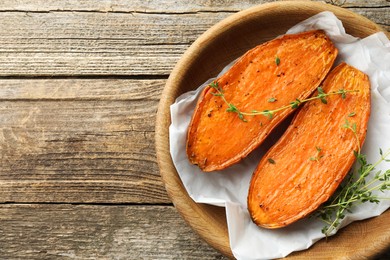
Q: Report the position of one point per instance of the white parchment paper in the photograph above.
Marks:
(229, 188)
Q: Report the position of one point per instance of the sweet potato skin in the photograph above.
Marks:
(293, 185)
(285, 69)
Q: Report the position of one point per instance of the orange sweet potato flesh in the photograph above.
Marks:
(217, 138)
(294, 178)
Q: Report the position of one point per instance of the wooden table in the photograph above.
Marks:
(80, 82)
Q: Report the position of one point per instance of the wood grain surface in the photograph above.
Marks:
(97, 232)
(80, 82)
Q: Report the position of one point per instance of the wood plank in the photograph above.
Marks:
(381, 16)
(78, 43)
(155, 6)
(79, 141)
(98, 232)
(81, 89)
(84, 43)
(128, 6)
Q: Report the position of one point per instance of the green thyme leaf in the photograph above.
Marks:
(343, 93)
(241, 116)
(277, 61)
(268, 113)
(322, 95)
(354, 127)
(318, 155)
(346, 124)
(271, 100)
(295, 104)
(231, 108)
(320, 90)
(214, 84)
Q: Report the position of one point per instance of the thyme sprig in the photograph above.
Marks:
(358, 187)
(270, 113)
(318, 155)
(352, 127)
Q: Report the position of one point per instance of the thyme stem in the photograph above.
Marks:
(270, 113)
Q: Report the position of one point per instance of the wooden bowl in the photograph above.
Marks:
(213, 50)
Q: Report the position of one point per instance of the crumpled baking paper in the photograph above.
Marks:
(229, 188)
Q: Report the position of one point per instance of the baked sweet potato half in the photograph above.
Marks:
(266, 77)
(306, 165)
